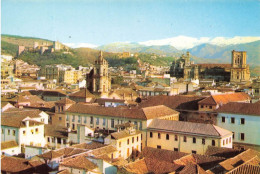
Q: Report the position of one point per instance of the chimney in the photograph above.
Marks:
(27, 123)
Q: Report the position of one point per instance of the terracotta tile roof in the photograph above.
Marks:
(30, 98)
(250, 167)
(151, 165)
(191, 168)
(8, 144)
(103, 150)
(17, 121)
(33, 113)
(135, 113)
(234, 162)
(79, 162)
(188, 128)
(221, 152)
(55, 131)
(89, 146)
(124, 91)
(15, 165)
(65, 101)
(174, 102)
(161, 154)
(64, 152)
(240, 108)
(204, 161)
(82, 94)
(123, 134)
(226, 98)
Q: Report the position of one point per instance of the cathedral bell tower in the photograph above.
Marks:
(98, 80)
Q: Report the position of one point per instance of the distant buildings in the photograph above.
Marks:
(237, 71)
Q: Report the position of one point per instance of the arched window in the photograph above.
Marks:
(213, 143)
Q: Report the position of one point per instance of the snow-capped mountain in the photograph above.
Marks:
(185, 42)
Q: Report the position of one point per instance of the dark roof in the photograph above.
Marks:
(17, 121)
(191, 168)
(55, 131)
(174, 102)
(135, 113)
(221, 152)
(188, 127)
(241, 108)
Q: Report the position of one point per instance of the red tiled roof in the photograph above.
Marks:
(82, 94)
(135, 113)
(240, 108)
(65, 101)
(226, 98)
(15, 165)
(79, 162)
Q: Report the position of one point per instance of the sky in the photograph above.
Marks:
(105, 21)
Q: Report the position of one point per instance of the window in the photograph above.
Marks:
(194, 140)
(112, 123)
(79, 119)
(133, 139)
(104, 121)
(32, 131)
(13, 132)
(91, 120)
(213, 143)
(67, 117)
(85, 120)
(59, 140)
(159, 135)
(8, 131)
(3, 131)
(176, 138)
(229, 139)
(141, 136)
(184, 139)
(201, 106)
(176, 149)
(127, 141)
(210, 107)
(223, 119)
(68, 125)
(137, 138)
(97, 121)
(159, 147)
(203, 141)
(64, 141)
(48, 139)
(242, 121)
(73, 118)
(119, 144)
(37, 130)
(60, 118)
(151, 135)
(167, 137)
(140, 126)
(194, 151)
(223, 142)
(73, 126)
(242, 136)
(233, 120)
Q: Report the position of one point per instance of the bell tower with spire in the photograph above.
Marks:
(98, 80)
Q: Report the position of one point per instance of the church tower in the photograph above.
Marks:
(239, 69)
(98, 80)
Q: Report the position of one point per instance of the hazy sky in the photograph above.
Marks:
(105, 21)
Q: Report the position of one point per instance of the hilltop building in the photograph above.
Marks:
(98, 80)
(237, 71)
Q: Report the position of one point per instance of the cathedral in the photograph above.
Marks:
(236, 72)
(98, 80)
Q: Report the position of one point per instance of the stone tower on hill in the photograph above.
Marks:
(98, 80)
(240, 72)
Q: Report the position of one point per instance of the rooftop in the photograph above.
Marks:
(188, 128)
(241, 108)
(8, 144)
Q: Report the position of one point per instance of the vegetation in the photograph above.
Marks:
(9, 49)
(117, 80)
